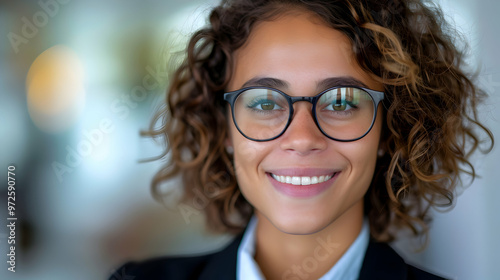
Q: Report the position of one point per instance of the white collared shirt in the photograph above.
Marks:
(346, 268)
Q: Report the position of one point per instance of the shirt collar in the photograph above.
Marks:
(347, 267)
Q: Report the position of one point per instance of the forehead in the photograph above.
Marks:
(296, 47)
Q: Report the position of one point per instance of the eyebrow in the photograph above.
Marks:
(339, 81)
(267, 82)
(320, 85)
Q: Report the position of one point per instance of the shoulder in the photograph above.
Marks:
(162, 268)
(382, 262)
(219, 265)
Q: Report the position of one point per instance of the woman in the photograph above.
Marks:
(318, 130)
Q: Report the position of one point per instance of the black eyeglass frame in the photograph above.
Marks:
(230, 97)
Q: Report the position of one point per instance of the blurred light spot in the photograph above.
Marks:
(54, 85)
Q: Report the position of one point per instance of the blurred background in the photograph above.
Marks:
(80, 79)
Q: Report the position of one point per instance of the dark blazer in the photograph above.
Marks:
(381, 262)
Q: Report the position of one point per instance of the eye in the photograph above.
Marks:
(337, 105)
(340, 106)
(340, 100)
(265, 105)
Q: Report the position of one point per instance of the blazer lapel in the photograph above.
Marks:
(222, 266)
(382, 262)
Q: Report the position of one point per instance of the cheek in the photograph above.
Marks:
(247, 155)
(362, 158)
(247, 159)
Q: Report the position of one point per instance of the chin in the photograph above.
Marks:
(302, 225)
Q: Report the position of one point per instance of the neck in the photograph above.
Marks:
(281, 255)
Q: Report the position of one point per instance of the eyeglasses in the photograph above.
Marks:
(345, 113)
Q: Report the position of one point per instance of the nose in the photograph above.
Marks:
(303, 135)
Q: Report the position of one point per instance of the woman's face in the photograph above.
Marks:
(302, 53)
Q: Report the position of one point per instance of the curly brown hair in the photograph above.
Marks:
(430, 121)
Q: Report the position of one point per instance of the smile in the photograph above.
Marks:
(302, 180)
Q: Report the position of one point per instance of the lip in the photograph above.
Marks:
(302, 190)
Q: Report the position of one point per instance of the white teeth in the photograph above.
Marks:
(314, 180)
(306, 181)
(301, 180)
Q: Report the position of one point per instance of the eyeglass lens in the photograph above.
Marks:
(342, 113)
